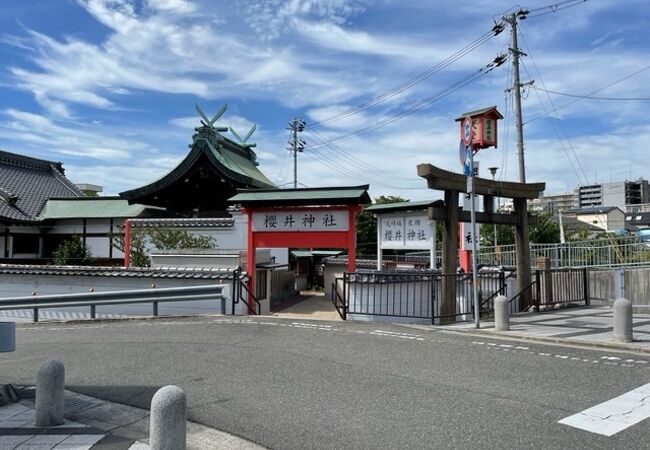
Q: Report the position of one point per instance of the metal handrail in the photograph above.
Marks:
(338, 300)
(93, 299)
(238, 283)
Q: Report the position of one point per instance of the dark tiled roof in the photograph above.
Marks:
(190, 222)
(637, 218)
(26, 183)
(131, 272)
(593, 210)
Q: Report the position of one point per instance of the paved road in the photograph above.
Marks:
(293, 385)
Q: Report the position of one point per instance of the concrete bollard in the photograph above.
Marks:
(50, 382)
(168, 420)
(7, 336)
(623, 320)
(501, 313)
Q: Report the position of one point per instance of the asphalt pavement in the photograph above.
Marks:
(290, 384)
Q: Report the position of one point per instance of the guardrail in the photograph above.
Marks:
(93, 299)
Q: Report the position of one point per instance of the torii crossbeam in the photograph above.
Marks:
(450, 214)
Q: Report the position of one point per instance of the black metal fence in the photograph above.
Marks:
(553, 287)
(415, 295)
(418, 294)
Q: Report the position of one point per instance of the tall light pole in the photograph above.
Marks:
(493, 171)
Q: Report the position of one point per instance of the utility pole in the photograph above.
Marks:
(517, 85)
(296, 145)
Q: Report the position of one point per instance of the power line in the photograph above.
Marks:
(541, 79)
(626, 77)
(421, 104)
(551, 9)
(498, 28)
(589, 97)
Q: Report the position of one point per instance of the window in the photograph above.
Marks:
(25, 244)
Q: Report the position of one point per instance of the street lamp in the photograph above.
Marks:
(493, 171)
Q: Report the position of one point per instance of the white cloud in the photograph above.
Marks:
(42, 132)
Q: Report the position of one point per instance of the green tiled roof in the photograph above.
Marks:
(401, 206)
(301, 253)
(232, 160)
(90, 208)
(345, 195)
(237, 163)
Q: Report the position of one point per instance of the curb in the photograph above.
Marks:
(632, 348)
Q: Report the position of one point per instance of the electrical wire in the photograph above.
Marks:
(551, 9)
(353, 159)
(414, 80)
(566, 135)
(421, 104)
(626, 77)
(588, 97)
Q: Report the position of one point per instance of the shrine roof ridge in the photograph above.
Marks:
(339, 195)
(403, 206)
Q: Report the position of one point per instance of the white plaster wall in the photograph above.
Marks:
(67, 226)
(98, 225)
(99, 246)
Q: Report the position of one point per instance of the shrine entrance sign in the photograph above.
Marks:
(301, 218)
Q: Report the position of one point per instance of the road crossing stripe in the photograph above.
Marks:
(614, 415)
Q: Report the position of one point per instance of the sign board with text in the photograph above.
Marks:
(300, 220)
(407, 231)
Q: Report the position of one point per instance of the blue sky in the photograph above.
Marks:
(109, 86)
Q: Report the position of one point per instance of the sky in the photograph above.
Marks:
(109, 87)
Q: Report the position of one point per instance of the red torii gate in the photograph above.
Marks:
(306, 217)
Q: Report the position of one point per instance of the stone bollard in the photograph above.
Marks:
(168, 420)
(501, 313)
(50, 382)
(7, 336)
(623, 320)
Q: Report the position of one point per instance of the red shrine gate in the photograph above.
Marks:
(301, 218)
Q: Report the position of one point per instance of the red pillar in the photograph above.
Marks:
(464, 256)
(127, 243)
(352, 239)
(250, 258)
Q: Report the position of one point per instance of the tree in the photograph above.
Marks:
(505, 235)
(143, 239)
(367, 225)
(171, 239)
(72, 251)
(545, 230)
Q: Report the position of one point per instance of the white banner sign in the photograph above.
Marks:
(300, 220)
(466, 232)
(410, 232)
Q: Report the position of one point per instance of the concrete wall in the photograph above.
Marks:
(632, 283)
(19, 285)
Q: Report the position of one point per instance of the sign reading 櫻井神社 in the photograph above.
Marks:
(406, 231)
(300, 220)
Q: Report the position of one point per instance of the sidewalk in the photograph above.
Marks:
(91, 423)
(591, 326)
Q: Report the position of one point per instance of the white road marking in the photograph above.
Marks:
(614, 415)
